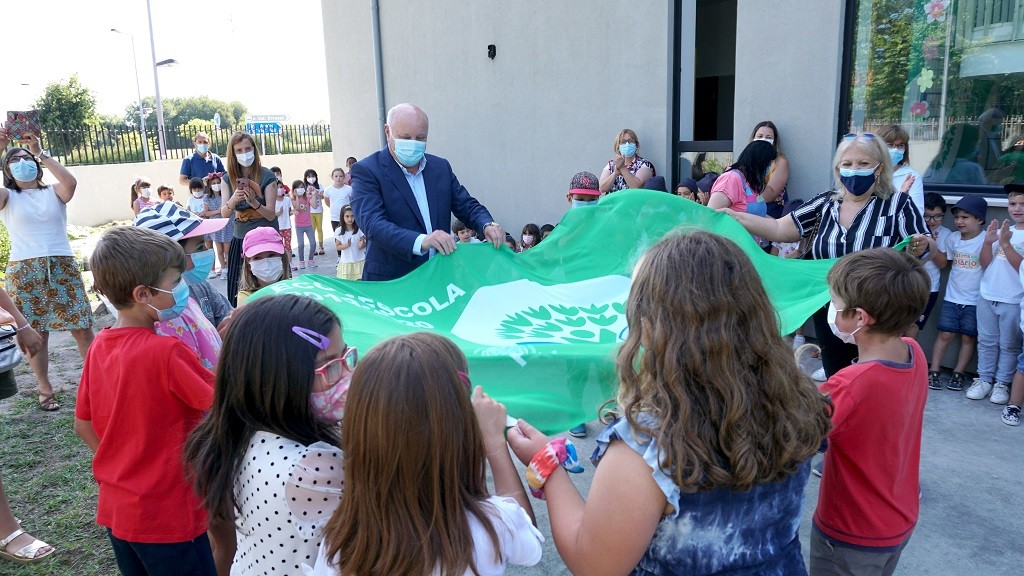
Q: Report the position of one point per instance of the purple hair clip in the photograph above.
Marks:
(315, 338)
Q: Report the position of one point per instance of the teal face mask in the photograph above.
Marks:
(579, 203)
(180, 293)
(25, 170)
(202, 263)
(896, 155)
(409, 152)
(203, 148)
(627, 149)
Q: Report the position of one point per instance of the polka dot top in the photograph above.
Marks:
(286, 492)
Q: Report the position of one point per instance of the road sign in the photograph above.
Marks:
(262, 127)
(254, 118)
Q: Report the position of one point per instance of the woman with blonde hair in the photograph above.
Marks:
(249, 193)
(704, 472)
(863, 211)
(627, 168)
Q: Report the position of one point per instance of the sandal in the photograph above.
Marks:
(48, 402)
(27, 554)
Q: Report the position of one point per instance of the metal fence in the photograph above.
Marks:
(84, 145)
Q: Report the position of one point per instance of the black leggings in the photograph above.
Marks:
(234, 270)
(835, 354)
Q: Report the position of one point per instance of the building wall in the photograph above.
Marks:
(566, 78)
(103, 194)
(788, 68)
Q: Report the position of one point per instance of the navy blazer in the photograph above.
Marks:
(386, 211)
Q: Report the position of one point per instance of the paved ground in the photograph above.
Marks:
(971, 463)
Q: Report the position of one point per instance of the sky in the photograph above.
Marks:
(267, 55)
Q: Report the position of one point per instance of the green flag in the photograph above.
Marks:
(540, 329)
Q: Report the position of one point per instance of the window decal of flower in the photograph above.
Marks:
(925, 79)
(937, 10)
(919, 109)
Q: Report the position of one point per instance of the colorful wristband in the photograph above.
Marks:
(558, 452)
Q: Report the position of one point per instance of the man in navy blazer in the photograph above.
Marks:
(403, 200)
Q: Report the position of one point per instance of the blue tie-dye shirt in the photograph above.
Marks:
(719, 531)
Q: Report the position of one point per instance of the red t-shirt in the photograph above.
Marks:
(869, 492)
(144, 394)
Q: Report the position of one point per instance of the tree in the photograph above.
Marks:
(180, 111)
(67, 104)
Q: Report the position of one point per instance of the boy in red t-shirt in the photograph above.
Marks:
(140, 396)
(869, 497)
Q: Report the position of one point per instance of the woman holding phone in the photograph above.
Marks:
(42, 271)
(250, 193)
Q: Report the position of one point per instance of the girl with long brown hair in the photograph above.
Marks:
(416, 502)
(705, 471)
(250, 193)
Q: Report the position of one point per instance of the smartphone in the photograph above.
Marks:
(20, 124)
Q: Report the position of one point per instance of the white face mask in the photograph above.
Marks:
(300, 191)
(528, 239)
(144, 192)
(215, 187)
(768, 140)
(198, 194)
(247, 158)
(311, 180)
(267, 269)
(844, 336)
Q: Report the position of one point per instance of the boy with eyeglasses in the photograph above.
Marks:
(934, 212)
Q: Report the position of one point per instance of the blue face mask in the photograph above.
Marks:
(627, 149)
(896, 154)
(202, 263)
(409, 152)
(857, 182)
(180, 294)
(203, 148)
(579, 203)
(25, 170)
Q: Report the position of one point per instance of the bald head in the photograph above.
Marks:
(406, 121)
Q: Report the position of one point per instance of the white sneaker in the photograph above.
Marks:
(1011, 415)
(819, 375)
(798, 341)
(979, 389)
(1000, 393)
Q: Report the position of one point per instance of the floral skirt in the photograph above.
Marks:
(351, 270)
(50, 293)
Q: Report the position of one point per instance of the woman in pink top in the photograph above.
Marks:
(740, 185)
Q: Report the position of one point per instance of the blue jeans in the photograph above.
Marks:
(999, 340)
(192, 558)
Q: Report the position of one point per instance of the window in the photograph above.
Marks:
(951, 74)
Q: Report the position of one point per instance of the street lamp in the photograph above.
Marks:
(138, 89)
(156, 84)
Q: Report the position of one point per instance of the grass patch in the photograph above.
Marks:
(48, 479)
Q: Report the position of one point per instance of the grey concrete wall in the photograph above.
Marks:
(788, 71)
(567, 77)
(104, 191)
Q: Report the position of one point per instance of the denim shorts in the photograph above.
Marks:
(1020, 363)
(958, 319)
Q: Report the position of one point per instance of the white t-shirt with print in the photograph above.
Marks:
(940, 235)
(964, 284)
(1000, 282)
(339, 197)
(353, 253)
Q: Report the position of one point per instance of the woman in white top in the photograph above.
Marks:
(42, 273)
(904, 178)
(265, 460)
